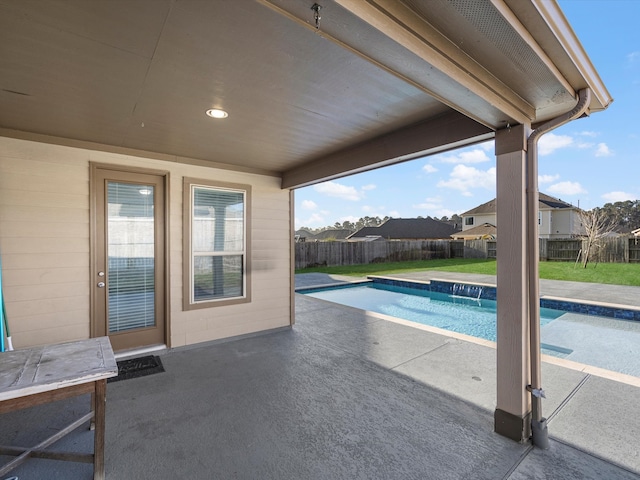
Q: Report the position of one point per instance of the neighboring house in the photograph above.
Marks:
(301, 236)
(407, 229)
(556, 219)
(486, 231)
(636, 232)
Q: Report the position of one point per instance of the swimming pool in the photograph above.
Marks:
(458, 313)
(605, 336)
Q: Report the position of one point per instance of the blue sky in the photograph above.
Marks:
(588, 162)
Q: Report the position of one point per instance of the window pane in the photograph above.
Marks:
(217, 277)
(218, 221)
(130, 273)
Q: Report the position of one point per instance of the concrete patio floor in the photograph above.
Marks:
(342, 395)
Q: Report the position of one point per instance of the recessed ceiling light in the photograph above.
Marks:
(217, 113)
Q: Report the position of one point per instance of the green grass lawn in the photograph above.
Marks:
(610, 273)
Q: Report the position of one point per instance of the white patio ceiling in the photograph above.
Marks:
(378, 82)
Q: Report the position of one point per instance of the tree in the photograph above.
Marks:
(624, 216)
(347, 225)
(596, 226)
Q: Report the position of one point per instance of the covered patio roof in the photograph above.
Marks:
(369, 83)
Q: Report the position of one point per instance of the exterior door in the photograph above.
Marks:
(129, 260)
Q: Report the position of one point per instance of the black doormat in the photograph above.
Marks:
(137, 367)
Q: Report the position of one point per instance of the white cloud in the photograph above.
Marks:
(464, 178)
(381, 212)
(466, 157)
(488, 146)
(429, 168)
(348, 218)
(314, 221)
(547, 178)
(587, 133)
(614, 197)
(633, 57)
(345, 192)
(551, 142)
(333, 189)
(566, 188)
(434, 207)
(309, 205)
(603, 150)
(431, 203)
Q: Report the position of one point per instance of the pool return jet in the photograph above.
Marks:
(539, 431)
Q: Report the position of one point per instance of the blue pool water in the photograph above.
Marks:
(455, 313)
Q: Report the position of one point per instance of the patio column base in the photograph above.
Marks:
(512, 426)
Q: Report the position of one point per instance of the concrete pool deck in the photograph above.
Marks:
(341, 395)
(595, 420)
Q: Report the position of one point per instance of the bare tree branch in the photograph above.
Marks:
(596, 226)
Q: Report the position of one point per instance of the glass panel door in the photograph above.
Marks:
(128, 260)
(131, 253)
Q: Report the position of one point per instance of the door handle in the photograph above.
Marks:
(101, 284)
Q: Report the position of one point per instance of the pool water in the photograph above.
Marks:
(455, 313)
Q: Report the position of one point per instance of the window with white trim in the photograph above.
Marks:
(216, 242)
(468, 221)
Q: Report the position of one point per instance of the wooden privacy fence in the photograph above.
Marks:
(634, 250)
(560, 250)
(312, 254)
(605, 250)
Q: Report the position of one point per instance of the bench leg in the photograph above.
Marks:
(99, 406)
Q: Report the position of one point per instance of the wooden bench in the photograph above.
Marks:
(49, 373)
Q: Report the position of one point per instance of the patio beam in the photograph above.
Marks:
(448, 131)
